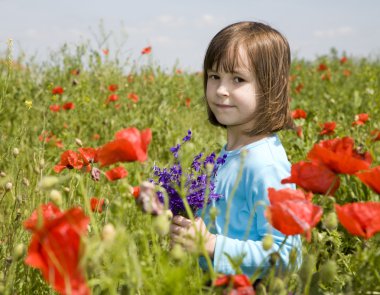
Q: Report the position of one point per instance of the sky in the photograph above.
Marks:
(179, 31)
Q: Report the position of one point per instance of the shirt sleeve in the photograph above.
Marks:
(251, 251)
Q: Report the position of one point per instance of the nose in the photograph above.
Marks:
(222, 89)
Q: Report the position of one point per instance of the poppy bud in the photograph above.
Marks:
(260, 290)
(16, 152)
(327, 272)
(78, 142)
(307, 268)
(25, 181)
(108, 233)
(2, 174)
(330, 221)
(42, 163)
(56, 197)
(161, 224)
(48, 181)
(214, 212)
(267, 242)
(18, 251)
(177, 252)
(66, 189)
(277, 286)
(8, 186)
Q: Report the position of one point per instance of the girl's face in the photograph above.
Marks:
(232, 97)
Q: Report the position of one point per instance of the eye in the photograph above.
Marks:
(238, 80)
(213, 77)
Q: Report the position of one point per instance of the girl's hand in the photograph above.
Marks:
(148, 201)
(189, 235)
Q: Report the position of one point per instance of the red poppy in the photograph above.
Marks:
(136, 191)
(288, 194)
(45, 136)
(55, 247)
(105, 51)
(57, 90)
(75, 72)
(133, 96)
(322, 67)
(346, 73)
(299, 131)
(326, 76)
(328, 128)
(68, 106)
(299, 114)
(375, 135)
(130, 78)
(360, 219)
(299, 88)
(55, 108)
(187, 102)
(130, 145)
(178, 71)
(340, 156)
(97, 204)
(58, 143)
(69, 160)
(240, 283)
(146, 50)
(113, 87)
(96, 136)
(343, 60)
(112, 97)
(313, 176)
(292, 216)
(360, 119)
(371, 178)
(89, 155)
(116, 173)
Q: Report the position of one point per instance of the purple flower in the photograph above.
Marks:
(197, 181)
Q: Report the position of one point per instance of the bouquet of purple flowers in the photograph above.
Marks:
(198, 181)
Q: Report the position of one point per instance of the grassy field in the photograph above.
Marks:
(125, 251)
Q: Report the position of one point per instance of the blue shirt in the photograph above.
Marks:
(243, 180)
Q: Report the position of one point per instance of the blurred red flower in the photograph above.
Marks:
(69, 160)
(97, 204)
(89, 155)
(75, 72)
(133, 96)
(113, 87)
(313, 176)
(375, 135)
(146, 50)
(328, 128)
(299, 114)
(360, 119)
(68, 106)
(187, 102)
(326, 76)
(96, 136)
(322, 67)
(299, 88)
(55, 108)
(371, 178)
(340, 156)
(360, 219)
(343, 60)
(241, 285)
(346, 73)
(130, 145)
(112, 97)
(57, 90)
(288, 194)
(116, 173)
(299, 131)
(292, 216)
(136, 191)
(55, 247)
(105, 51)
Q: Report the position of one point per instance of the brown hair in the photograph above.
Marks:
(269, 57)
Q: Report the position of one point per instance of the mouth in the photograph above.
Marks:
(223, 106)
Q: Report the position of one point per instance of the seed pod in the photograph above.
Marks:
(18, 251)
(327, 272)
(25, 181)
(48, 182)
(108, 233)
(260, 289)
(267, 242)
(15, 152)
(177, 252)
(161, 224)
(56, 197)
(3, 174)
(8, 186)
(78, 142)
(307, 268)
(330, 221)
(277, 286)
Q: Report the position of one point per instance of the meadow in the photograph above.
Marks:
(81, 97)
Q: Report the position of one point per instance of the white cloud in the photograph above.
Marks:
(333, 33)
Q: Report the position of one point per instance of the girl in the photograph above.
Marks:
(246, 69)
